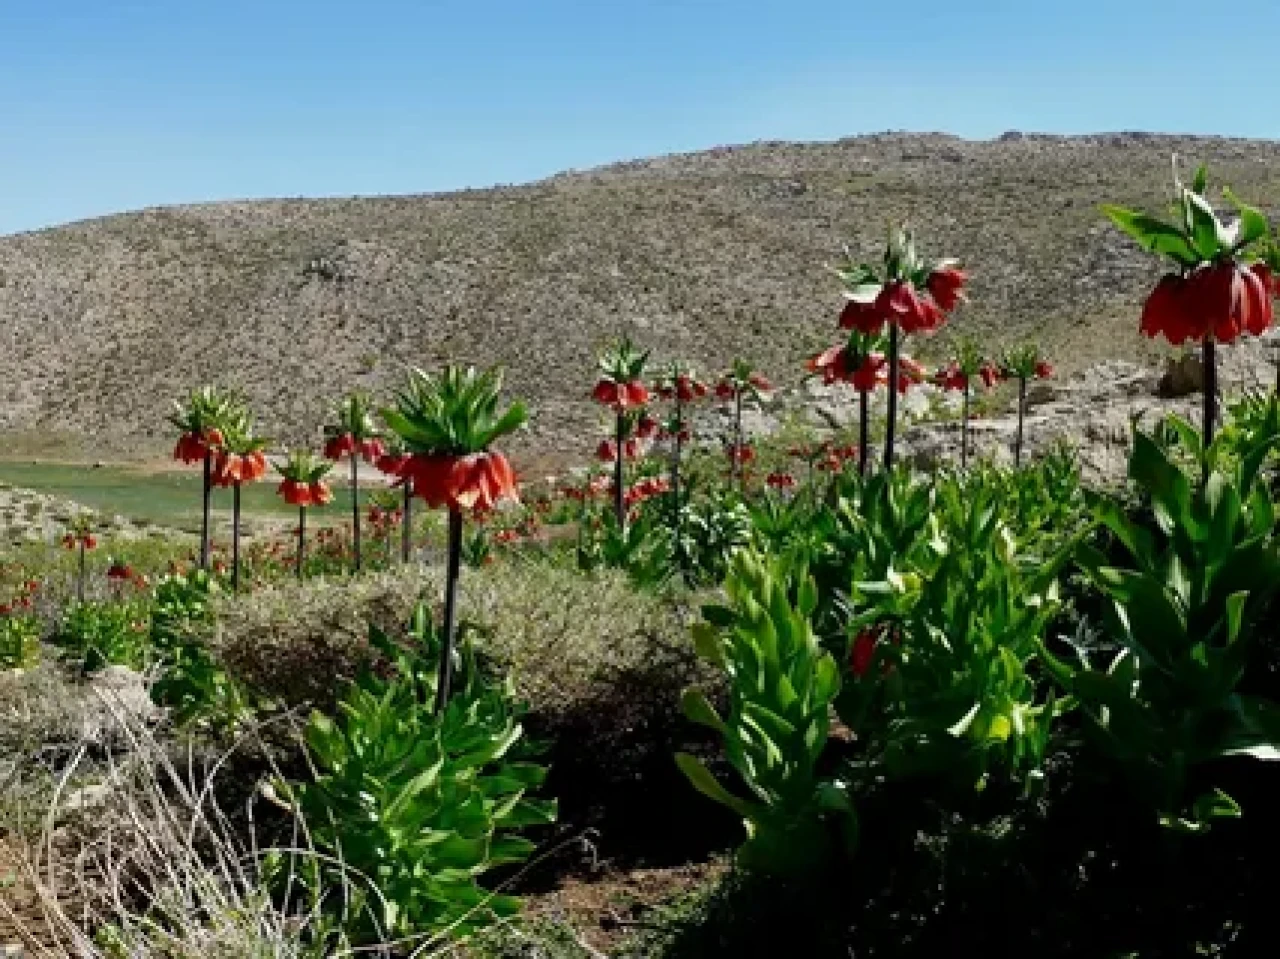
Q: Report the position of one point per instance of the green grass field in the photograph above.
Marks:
(165, 498)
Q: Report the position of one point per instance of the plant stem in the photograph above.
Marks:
(892, 411)
(675, 478)
(235, 538)
(80, 583)
(737, 462)
(1210, 390)
(445, 675)
(864, 431)
(355, 506)
(406, 532)
(1022, 405)
(619, 505)
(964, 427)
(204, 521)
(302, 537)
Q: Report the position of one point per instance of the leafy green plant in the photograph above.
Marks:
(1188, 608)
(192, 683)
(107, 634)
(642, 547)
(415, 805)
(943, 649)
(781, 687)
(19, 642)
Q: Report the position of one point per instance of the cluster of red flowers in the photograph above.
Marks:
(864, 373)
(952, 377)
(913, 311)
(345, 444)
(592, 488)
(727, 389)
(22, 599)
(646, 489)
(473, 482)
(620, 396)
(780, 481)
(740, 453)
(297, 493)
(192, 447)
(383, 520)
(72, 540)
(825, 456)
(685, 389)
(232, 468)
(1222, 300)
(119, 573)
(632, 448)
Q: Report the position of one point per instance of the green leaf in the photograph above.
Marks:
(1206, 230)
(1200, 182)
(1253, 225)
(698, 709)
(702, 780)
(1154, 235)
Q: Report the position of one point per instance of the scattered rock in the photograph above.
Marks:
(1183, 376)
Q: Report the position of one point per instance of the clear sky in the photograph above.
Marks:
(108, 105)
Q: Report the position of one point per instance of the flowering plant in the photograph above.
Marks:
(905, 295)
(1218, 289)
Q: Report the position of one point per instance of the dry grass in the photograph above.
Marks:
(705, 255)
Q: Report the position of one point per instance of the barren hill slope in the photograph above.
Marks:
(703, 256)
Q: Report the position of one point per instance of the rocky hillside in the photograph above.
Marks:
(705, 256)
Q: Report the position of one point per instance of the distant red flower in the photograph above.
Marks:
(863, 317)
(945, 286)
(1043, 369)
(295, 493)
(913, 313)
(741, 454)
(760, 382)
(620, 396)
(989, 373)
(779, 480)
(344, 444)
(646, 427)
(951, 377)
(725, 390)
(372, 449)
(119, 572)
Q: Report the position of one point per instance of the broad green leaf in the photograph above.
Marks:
(707, 784)
(1154, 235)
(697, 708)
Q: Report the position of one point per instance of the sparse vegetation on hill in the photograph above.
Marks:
(711, 255)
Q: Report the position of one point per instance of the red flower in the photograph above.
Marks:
(760, 382)
(476, 481)
(620, 396)
(989, 373)
(119, 572)
(725, 390)
(780, 480)
(741, 454)
(863, 651)
(1165, 312)
(1043, 369)
(632, 449)
(646, 427)
(213, 437)
(1221, 300)
(69, 542)
(834, 363)
(945, 287)
(913, 313)
(190, 449)
(910, 373)
(339, 446)
(607, 451)
(371, 450)
(295, 493)
(863, 317)
(951, 377)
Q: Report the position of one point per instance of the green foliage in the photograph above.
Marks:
(455, 413)
(192, 683)
(712, 530)
(417, 806)
(641, 547)
(1188, 606)
(107, 634)
(19, 642)
(944, 643)
(781, 687)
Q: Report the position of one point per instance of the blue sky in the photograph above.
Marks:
(108, 105)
